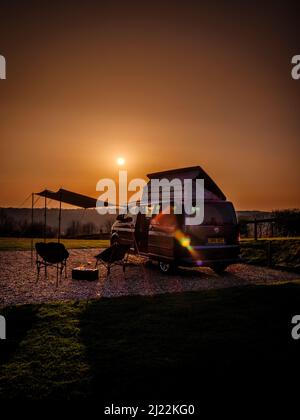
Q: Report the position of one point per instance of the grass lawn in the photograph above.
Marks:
(285, 252)
(274, 238)
(168, 346)
(23, 244)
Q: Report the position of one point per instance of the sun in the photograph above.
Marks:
(120, 161)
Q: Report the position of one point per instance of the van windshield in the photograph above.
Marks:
(219, 213)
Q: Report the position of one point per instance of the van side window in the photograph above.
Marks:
(131, 216)
(165, 220)
(127, 218)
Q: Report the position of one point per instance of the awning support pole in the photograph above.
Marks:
(45, 218)
(32, 205)
(59, 220)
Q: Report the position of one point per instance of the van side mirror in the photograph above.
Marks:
(124, 219)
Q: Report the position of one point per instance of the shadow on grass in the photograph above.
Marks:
(172, 346)
(19, 320)
(162, 348)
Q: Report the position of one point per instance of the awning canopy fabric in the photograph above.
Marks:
(69, 197)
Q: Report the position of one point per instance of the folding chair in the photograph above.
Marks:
(116, 254)
(51, 254)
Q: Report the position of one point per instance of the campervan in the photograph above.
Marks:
(167, 238)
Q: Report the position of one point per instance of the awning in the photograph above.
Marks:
(69, 197)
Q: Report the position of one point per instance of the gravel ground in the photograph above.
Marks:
(18, 279)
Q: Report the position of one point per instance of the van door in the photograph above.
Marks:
(141, 232)
(162, 234)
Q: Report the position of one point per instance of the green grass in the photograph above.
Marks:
(274, 238)
(24, 244)
(285, 253)
(150, 347)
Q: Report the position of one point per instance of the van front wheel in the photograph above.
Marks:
(219, 268)
(166, 267)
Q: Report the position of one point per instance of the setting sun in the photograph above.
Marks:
(120, 161)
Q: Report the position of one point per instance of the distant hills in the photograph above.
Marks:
(69, 218)
(81, 216)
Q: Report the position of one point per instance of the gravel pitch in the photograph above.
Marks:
(18, 279)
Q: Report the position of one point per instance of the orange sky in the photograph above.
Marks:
(164, 86)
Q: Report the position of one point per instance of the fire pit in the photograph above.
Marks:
(83, 273)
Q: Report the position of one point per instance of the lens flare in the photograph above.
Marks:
(185, 242)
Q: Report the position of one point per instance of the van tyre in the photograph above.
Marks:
(166, 267)
(219, 268)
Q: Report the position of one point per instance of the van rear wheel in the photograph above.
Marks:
(166, 267)
(219, 268)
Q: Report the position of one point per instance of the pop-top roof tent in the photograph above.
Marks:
(211, 189)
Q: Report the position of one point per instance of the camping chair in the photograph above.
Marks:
(51, 254)
(116, 254)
